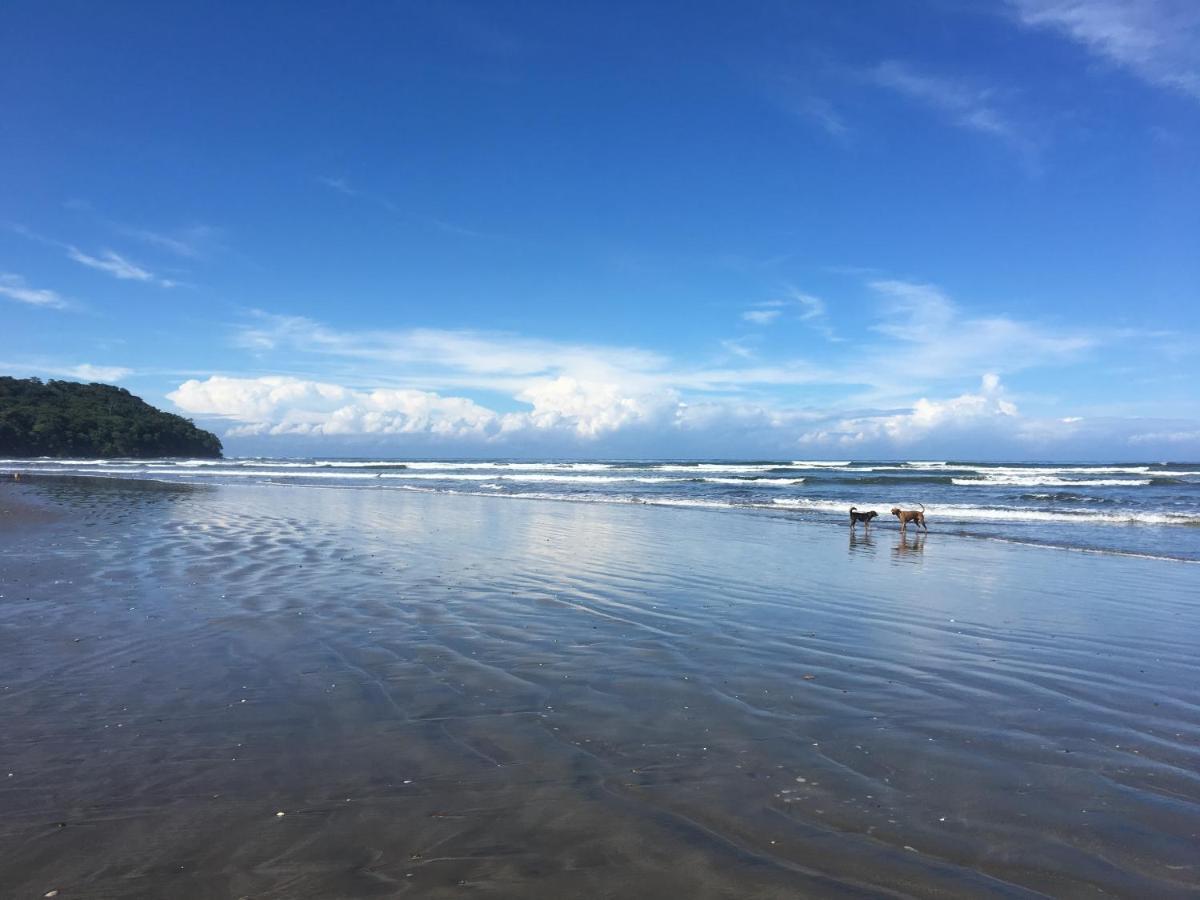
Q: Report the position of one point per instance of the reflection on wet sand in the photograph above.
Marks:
(860, 543)
(909, 547)
(448, 693)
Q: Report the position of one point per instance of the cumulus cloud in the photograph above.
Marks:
(284, 405)
(903, 381)
(974, 411)
(590, 409)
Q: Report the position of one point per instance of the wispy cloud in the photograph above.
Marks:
(89, 372)
(195, 241)
(813, 312)
(906, 376)
(112, 263)
(191, 242)
(82, 371)
(761, 316)
(965, 105)
(448, 357)
(118, 266)
(1157, 40)
(342, 185)
(738, 348)
(821, 112)
(14, 287)
(109, 261)
(917, 323)
(938, 340)
(797, 305)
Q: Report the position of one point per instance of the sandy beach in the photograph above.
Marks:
(266, 691)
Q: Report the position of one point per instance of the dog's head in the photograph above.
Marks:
(868, 516)
(896, 511)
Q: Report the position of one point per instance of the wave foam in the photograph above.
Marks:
(1047, 481)
(967, 513)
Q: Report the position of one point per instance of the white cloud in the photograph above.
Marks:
(109, 261)
(282, 405)
(737, 348)
(285, 405)
(762, 316)
(811, 307)
(974, 411)
(967, 106)
(822, 112)
(594, 398)
(191, 242)
(117, 266)
(339, 184)
(343, 186)
(1157, 40)
(14, 287)
(805, 307)
(445, 358)
(813, 312)
(933, 338)
(82, 371)
(590, 409)
(921, 335)
(1166, 437)
(89, 372)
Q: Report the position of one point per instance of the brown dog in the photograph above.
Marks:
(865, 518)
(910, 515)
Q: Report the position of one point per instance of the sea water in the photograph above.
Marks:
(1150, 509)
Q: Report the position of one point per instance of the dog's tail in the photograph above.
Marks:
(853, 508)
(922, 505)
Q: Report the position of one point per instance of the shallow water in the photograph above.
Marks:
(1147, 509)
(538, 699)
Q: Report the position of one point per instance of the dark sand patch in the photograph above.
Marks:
(23, 506)
(449, 694)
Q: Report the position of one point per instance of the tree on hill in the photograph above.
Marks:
(69, 419)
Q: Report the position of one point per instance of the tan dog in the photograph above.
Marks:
(910, 515)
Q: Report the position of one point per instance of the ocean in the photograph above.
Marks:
(1144, 509)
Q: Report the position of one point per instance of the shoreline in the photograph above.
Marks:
(759, 510)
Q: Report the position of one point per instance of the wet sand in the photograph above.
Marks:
(455, 696)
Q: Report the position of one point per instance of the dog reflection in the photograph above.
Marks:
(859, 543)
(909, 546)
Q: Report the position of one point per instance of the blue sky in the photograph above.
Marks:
(921, 229)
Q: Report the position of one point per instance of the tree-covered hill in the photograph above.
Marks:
(65, 418)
